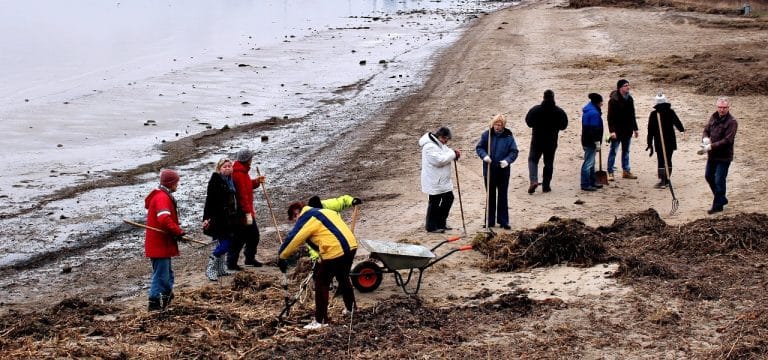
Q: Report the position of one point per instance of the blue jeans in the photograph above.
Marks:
(716, 172)
(222, 247)
(624, 154)
(162, 278)
(588, 168)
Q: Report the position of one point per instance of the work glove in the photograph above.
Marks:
(357, 201)
(248, 219)
(282, 264)
(261, 179)
(706, 141)
(458, 154)
(597, 145)
(704, 149)
(487, 159)
(503, 163)
(651, 149)
(313, 255)
(180, 237)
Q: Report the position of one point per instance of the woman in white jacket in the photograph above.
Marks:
(436, 177)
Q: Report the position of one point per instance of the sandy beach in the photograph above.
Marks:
(501, 64)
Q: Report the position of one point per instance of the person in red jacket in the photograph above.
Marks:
(247, 234)
(162, 244)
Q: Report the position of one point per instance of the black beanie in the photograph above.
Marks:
(621, 83)
(595, 98)
(549, 95)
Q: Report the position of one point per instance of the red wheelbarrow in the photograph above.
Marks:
(366, 276)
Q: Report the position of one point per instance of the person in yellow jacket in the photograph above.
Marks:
(323, 230)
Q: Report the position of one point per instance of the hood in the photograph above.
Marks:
(548, 103)
(240, 167)
(149, 197)
(427, 138)
(589, 107)
(662, 107)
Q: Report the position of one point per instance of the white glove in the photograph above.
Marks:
(248, 219)
(503, 163)
(597, 145)
(705, 141)
(706, 147)
(487, 159)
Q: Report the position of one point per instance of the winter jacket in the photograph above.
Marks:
(436, 158)
(244, 185)
(323, 230)
(621, 115)
(591, 125)
(221, 209)
(503, 147)
(162, 215)
(546, 120)
(722, 133)
(669, 122)
(338, 204)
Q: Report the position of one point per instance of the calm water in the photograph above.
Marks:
(52, 50)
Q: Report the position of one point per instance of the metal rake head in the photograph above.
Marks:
(675, 206)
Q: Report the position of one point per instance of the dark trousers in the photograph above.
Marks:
(660, 161)
(438, 209)
(324, 273)
(247, 236)
(716, 173)
(533, 164)
(498, 207)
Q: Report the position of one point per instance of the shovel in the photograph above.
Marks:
(601, 177)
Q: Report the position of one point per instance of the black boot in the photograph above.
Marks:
(154, 305)
(165, 300)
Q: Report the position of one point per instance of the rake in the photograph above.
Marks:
(675, 202)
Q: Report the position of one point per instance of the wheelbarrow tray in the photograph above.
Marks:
(398, 256)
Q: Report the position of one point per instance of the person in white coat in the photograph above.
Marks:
(436, 177)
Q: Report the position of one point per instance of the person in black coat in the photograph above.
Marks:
(546, 120)
(669, 122)
(220, 216)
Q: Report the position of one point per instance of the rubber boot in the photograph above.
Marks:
(212, 271)
(220, 265)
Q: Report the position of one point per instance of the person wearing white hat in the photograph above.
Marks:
(666, 135)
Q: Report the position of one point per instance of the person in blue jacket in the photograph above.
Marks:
(591, 138)
(498, 149)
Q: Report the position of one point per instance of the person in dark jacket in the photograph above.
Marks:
(498, 149)
(546, 120)
(669, 122)
(717, 141)
(162, 236)
(591, 138)
(622, 124)
(220, 216)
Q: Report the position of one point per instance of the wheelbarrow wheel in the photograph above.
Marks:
(366, 276)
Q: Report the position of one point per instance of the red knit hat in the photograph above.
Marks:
(168, 177)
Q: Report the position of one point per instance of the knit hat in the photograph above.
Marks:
(661, 99)
(315, 202)
(595, 98)
(443, 131)
(168, 177)
(244, 155)
(549, 95)
(621, 83)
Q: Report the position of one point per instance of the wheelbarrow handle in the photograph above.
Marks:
(465, 247)
(450, 239)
